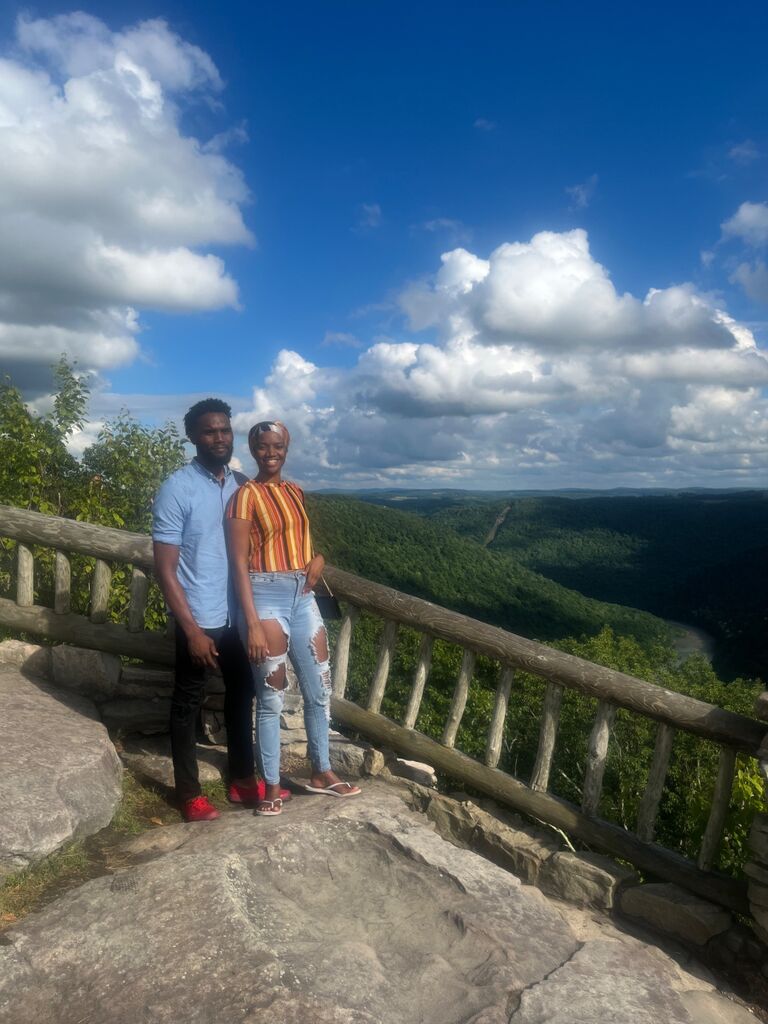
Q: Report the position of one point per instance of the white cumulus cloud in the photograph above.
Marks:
(105, 203)
(528, 368)
(551, 293)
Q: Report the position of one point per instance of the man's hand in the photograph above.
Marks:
(202, 650)
(314, 571)
(257, 643)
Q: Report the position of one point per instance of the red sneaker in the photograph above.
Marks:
(199, 808)
(253, 794)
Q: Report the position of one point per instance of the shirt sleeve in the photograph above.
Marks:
(240, 504)
(168, 515)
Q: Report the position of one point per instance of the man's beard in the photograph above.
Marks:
(219, 458)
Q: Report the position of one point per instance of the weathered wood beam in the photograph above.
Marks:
(729, 892)
(100, 584)
(649, 699)
(496, 729)
(80, 631)
(137, 605)
(597, 755)
(550, 719)
(657, 774)
(62, 584)
(25, 576)
(68, 535)
(721, 799)
(459, 702)
(381, 673)
(341, 650)
(420, 676)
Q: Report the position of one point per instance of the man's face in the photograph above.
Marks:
(213, 439)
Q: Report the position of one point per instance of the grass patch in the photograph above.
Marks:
(23, 891)
(141, 807)
(216, 793)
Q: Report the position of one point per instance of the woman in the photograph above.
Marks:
(274, 570)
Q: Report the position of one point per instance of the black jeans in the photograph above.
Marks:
(188, 692)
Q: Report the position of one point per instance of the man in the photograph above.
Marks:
(192, 570)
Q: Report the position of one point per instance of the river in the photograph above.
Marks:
(688, 640)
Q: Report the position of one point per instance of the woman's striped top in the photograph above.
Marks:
(280, 537)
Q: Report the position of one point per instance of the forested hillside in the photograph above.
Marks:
(698, 558)
(428, 559)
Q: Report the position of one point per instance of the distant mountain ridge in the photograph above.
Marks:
(445, 493)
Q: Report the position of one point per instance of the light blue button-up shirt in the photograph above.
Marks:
(189, 512)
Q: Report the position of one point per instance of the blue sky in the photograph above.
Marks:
(356, 145)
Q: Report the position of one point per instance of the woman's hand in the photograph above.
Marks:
(314, 571)
(257, 643)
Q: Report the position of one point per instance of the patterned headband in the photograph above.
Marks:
(268, 427)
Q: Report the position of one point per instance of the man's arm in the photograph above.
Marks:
(202, 649)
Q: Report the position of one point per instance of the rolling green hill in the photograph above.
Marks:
(428, 559)
(698, 558)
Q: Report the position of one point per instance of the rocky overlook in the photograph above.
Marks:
(336, 912)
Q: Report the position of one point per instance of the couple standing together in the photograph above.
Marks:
(234, 560)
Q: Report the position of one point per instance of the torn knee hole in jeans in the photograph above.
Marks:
(274, 668)
(318, 645)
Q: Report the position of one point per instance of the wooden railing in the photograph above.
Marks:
(672, 711)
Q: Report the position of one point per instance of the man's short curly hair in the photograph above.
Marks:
(200, 409)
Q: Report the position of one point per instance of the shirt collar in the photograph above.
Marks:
(206, 472)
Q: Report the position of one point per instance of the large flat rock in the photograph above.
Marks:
(351, 912)
(333, 916)
(60, 773)
(601, 982)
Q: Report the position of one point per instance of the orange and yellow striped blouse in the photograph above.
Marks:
(280, 540)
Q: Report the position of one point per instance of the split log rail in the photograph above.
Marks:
(673, 712)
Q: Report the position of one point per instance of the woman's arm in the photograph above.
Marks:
(238, 546)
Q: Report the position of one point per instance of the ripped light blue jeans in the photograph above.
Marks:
(280, 596)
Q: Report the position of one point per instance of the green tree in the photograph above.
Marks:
(125, 466)
(37, 471)
(112, 485)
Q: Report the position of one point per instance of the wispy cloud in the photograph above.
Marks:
(745, 152)
(236, 135)
(341, 338)
(368, 216)
(450, 226)
(442, 224)
(749, 223)
(707, 257)
(371, 308)
(483, 124)
(581, 195)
